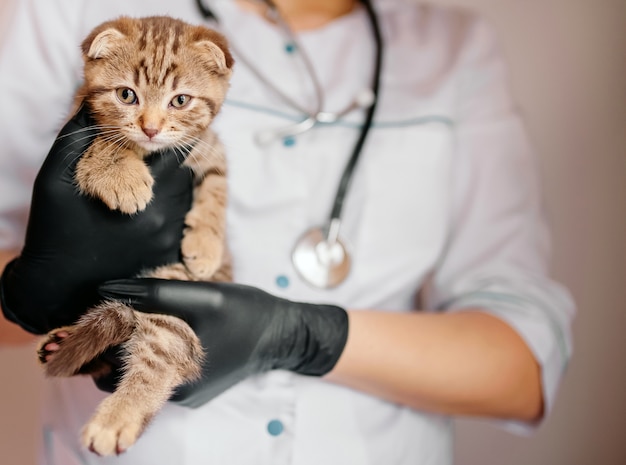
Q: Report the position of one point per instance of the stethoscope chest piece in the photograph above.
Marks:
(320, 261)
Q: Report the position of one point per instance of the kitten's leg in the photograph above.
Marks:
(163, 353)
(98, 367)
(117, 176)
(106, 325)
(203, 245)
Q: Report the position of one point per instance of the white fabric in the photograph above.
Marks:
(445, 200)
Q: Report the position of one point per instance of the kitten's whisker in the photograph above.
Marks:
(200, 144)
(72, 152)
(117, 143)
(115, 140)
(183, 152)
(77, 155)
(80, 139)
(77, 131)
(98, 128)
(76, 141)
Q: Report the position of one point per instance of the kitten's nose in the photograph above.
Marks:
(150, 132)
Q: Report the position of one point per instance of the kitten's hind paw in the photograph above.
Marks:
(202, 254)
(51, 343)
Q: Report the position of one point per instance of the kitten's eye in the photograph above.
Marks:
(126, 95)
(181, 101)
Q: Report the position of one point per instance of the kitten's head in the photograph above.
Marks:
(155, 82)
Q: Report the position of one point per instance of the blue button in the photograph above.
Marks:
(275, 427)
(290, 47)
(282, 281)
(289, 141)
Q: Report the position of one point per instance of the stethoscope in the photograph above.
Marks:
(320, 256)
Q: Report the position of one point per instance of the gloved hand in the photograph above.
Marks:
(74, 242)
(243, 330)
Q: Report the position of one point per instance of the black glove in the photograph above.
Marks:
(243, 330)
(74, 242)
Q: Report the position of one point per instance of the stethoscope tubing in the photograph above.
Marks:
(319, 256)
(347, 175)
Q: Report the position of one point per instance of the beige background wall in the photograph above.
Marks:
(568, 61)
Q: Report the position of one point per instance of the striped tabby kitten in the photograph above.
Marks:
(151, 83)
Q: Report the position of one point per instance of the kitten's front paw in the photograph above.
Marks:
(125, 185)
(202, 256)
(112, 434)
(130, 190)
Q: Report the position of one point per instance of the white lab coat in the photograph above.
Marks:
(443, 213)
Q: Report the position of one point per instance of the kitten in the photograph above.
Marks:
(151, 83)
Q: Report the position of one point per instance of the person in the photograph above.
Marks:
(448, 309)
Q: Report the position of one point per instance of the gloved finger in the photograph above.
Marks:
(171, 297)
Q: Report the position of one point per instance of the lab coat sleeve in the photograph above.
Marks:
(39, 72)
(497, 253)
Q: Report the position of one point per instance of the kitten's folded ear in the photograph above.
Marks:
(105, 38)
(216, 45)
